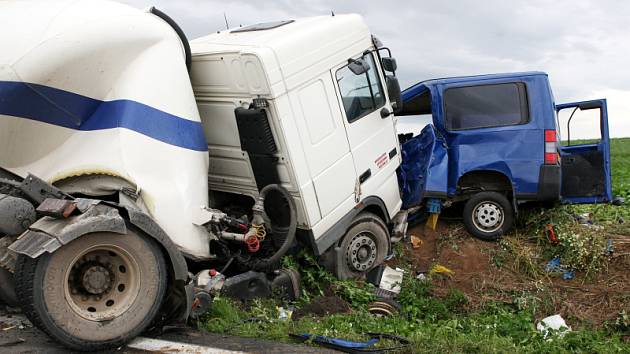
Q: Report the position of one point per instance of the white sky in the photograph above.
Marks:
(584, 46)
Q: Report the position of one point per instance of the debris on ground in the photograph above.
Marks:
(512, 270)
(391, 279)
(347, 346)
(416, 242)
(322, 306)
(556, 323)
(384, 307)
(440, 269)
(555, 266)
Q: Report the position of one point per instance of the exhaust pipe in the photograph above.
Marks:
(16, 215)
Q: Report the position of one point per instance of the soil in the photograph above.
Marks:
(322, 306)
(584, 300)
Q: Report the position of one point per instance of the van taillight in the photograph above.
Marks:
(551, 148)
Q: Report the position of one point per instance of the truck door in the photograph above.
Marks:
(584, 152)
(370, 130)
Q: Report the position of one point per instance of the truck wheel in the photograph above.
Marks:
(95, 293)
(363, 247)
(488, 215)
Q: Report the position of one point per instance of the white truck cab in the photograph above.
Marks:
(336, 149)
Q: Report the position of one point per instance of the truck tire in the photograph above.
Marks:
(363, 247)
(488, 215)
(95, 293)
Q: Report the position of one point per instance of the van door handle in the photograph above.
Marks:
(365, 175)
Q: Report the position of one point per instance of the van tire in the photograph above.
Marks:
(96, 293)
(363, 247)
(488, 215)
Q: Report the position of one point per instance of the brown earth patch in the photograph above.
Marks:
(322, 306)
(486, 273)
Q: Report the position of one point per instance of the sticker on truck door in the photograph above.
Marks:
(382, 160)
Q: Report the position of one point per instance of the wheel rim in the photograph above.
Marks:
(361, 252)
(102, 283)
(488, 216)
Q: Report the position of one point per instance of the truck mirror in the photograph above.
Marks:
(389, 64)
(393, 92)
(358, 66)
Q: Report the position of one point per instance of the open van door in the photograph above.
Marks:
(584, 152)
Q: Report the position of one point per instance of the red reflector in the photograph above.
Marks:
(551, 158)
(550, 136)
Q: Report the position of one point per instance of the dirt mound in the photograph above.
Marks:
(322, 306)
(484, 272)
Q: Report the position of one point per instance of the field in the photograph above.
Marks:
(487, 296)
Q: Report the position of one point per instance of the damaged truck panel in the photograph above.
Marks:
(105, 128)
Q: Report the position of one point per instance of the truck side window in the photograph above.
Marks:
(486, 106)
(361, 94)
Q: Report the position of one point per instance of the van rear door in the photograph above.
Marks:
(584, 152)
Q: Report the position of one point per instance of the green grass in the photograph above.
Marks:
(444, 324)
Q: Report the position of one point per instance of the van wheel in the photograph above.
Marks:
(488, 215)
(95, 293)
(363, 247)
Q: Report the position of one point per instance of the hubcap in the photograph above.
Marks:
(488, 216)
(102, 283)
(361, 252)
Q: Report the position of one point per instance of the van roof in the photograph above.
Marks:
(423, 86)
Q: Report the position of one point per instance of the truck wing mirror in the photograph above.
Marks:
(393, 92)
(589, 105)
(358, 66)
(389, 64)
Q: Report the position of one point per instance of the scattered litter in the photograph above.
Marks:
(556, 323)
(384, 307)
(416, 241)
(284, 314)
(551, 234)
(421, 276)
(585, 218)
(391, 279)
(347, 346)
(438, 268)
(610, 249)
(618, 201)
(555, 266)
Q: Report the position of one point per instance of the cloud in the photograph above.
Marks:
(582, 45)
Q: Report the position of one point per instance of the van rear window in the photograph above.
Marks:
(486, 106)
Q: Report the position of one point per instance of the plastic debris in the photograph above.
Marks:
(555, 266)
(438, 268)
(416, 242)
(618, 201)
(432, 221)
(347, 346)
(551, 234)
(556, 323)
(284, 314)
(585, 218)
(421, 276)
(391, 279)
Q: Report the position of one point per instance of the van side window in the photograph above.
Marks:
(486, 106)
(361, 94)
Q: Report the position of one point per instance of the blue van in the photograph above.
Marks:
(497, 141)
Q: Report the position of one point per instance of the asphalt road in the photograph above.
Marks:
(17, 335)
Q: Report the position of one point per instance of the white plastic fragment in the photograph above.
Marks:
(555, 322)
(391, 279)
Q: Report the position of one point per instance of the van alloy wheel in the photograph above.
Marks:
(488, 216)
